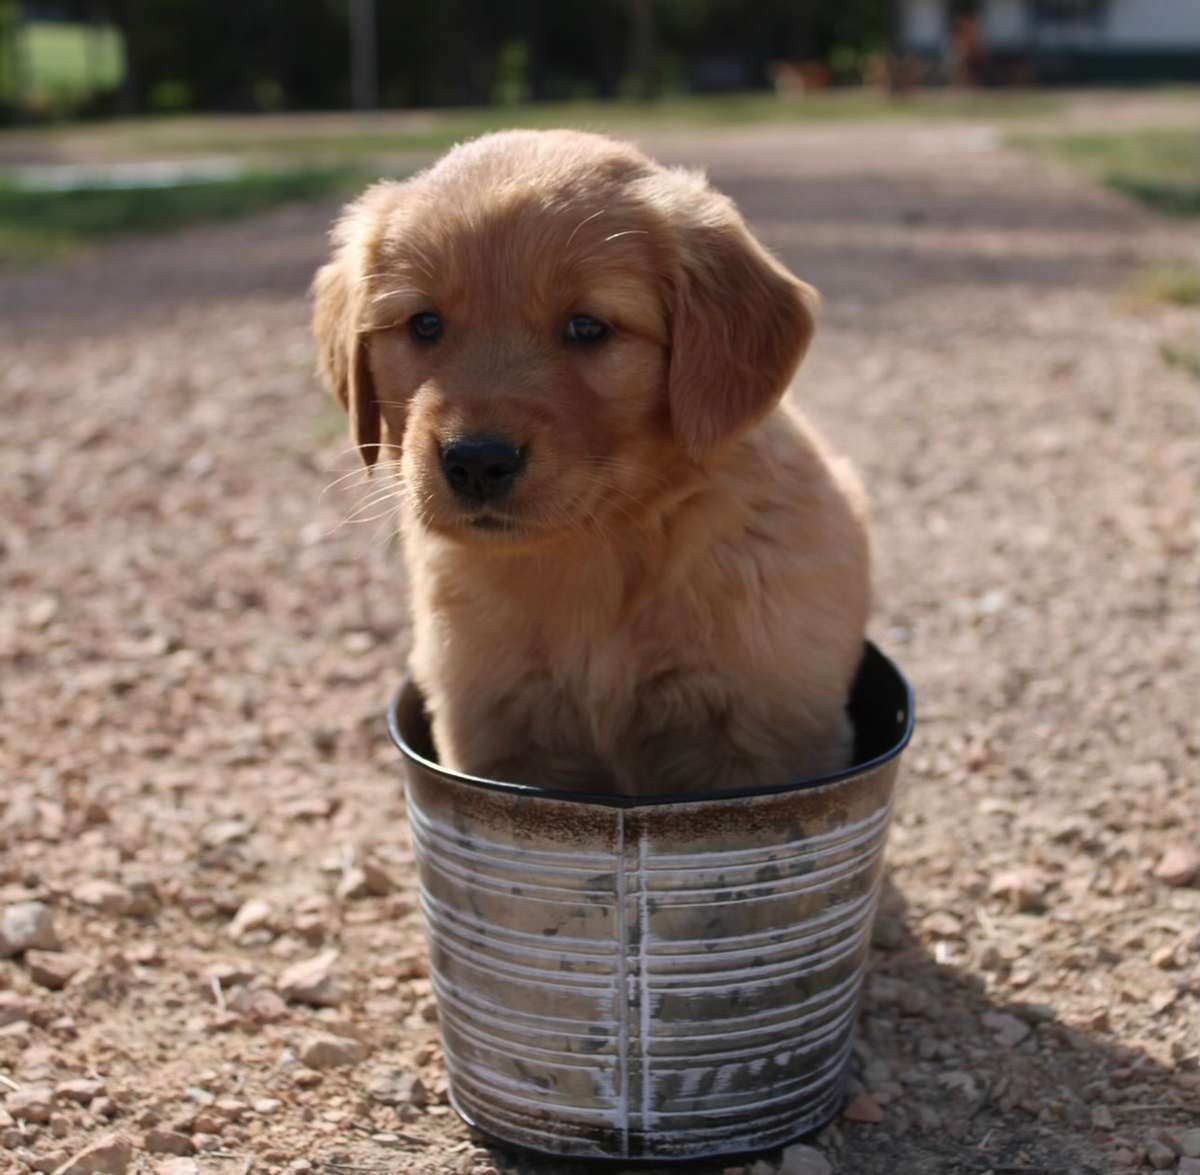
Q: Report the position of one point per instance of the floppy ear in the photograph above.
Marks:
(740, 325)
(342, 356)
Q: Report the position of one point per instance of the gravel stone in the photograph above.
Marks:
(108, 1155)
(1008, 1030)
(27, 926)
(1023, 889)
(53, 970)
(326, 1052)
(262, 1005)
(255, 914)
(804, 1160)
(863, 1108)
(313, 981)
(167, 1142)
(1159, 1156)
(80, 1090)
(177, 1167)
(1187, 1142)
(15, 1008)
(32, 1104)
(1179, 865)
(397, 1087)
(106, 896)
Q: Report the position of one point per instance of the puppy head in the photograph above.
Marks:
(551, 332)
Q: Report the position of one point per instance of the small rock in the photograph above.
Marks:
(1187, 1142)
(104, 1107)
(1008, 1030)
(1102, 1118)
(230, 1109)
(1189, 1166)
(959, 1081)
(1159, 1156)
(167, 1142)
(108, 1155)
(31, 1104)
(395, 1087)
(80, 1090)
(224, 832)
(804, 1160)
(863, 1108)
(353, 884)
(231, 974)
(876, 1072)
(943, 924)
(15, 1008)
(27, 926)
(1179, 865)
(207, 1142)
(313, 981)
(143, 954)
(327, 1052)
(1023, 889)
(266, 1105)
(255, 914)
(106, 896)
(42, 611)
(262, 1005)
(44, 1163)
(53, 970)
(379, 881)
(177, 1167)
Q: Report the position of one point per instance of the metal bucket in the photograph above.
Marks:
(652, 978)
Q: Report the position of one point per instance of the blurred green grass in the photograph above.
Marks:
(1184, 359)
(1176, 284)
(1159, 167)
(38, 225)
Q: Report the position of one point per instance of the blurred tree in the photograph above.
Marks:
(295, 54)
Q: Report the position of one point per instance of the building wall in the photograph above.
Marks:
(1004, 23)
(1172, 25)
(1169, 24)
(925, 25)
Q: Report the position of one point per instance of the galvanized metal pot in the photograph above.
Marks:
(649, 978)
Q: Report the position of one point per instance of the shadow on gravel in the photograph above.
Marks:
(885, 198)
(137, 282)
(968, 1083)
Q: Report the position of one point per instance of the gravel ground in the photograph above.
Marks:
(194, 657)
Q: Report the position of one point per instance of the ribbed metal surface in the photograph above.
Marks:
(665, 981)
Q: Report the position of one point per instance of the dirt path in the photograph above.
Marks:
(194, 658)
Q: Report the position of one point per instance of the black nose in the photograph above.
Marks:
(481, 468)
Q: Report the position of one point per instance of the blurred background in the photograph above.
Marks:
(153, 113)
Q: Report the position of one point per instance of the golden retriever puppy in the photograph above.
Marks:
(632, 570)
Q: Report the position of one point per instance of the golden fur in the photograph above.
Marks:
(674, 594)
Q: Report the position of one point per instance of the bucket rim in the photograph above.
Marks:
(873, 660)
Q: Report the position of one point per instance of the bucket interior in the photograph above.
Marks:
(880, 707)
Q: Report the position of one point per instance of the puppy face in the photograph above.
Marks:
(549, 330)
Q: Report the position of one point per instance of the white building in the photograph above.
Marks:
(1060, 40)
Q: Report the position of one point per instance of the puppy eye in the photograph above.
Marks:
(425, 327)
(583, 328)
